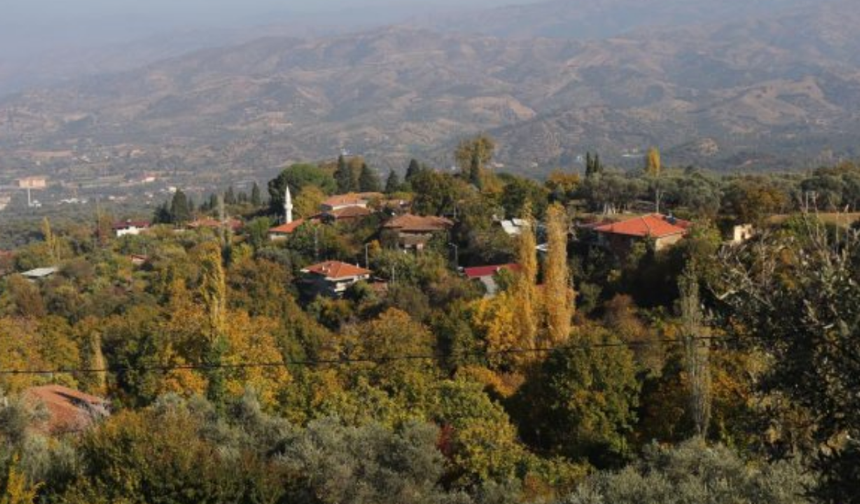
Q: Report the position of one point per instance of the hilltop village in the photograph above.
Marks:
(438, 336)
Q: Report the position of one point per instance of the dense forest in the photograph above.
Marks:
(713, 370)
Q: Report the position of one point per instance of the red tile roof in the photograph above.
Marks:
(70, 410)
(485, 271)
(654, 226)
(351, 199)
(335, 270)
(417, 223)
(287, 228)
(349, 213)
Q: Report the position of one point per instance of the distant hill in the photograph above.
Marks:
(769, 92)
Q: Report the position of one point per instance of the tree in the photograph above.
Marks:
(298, 176)
(51, 241)
(528, 309)
(653, 165)
(230, 196)
(582, 402)
(256, 197)
(693, 472)
(794, 296)
(473, 154)
(368, 180)
(558, 295)
(16, 489)
(697, 350)
(751, 200)
(413, 170)
(180, 212)
(392, 184)
(345, 177)
(213, 291)
(307, 203)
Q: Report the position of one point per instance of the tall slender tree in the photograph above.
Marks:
(392, 185)
(653, 164)
(368, 180)
(213, 291)
(344, 177)
(527, 313)
(256, 197)
(558, 294)
(697, 352)
(413, 169)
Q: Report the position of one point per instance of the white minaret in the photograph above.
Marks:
(288, 207)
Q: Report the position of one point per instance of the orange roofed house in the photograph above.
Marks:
(351, 200)
(413, 232)
(333, 278)
(68, 411)
(620, 237)
(284, 230)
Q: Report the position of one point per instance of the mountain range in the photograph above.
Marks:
(761, 88)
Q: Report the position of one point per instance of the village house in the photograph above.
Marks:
(40, 273)
(620, 237)
(413, 232)
(341, 201)
(486, 275)
(513, 227)
(130, 227)
(68, 411)
(346, 214)
(333, 278)
(283, 231)
(33, 182)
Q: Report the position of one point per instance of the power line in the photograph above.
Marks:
(345, 361)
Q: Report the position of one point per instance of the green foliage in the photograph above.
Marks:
(368, 179)
(298, 176)
(582, 402)
(693, 472)
(796, 298)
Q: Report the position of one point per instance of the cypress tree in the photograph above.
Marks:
(413, 170)
(589, 165)
(368, 180)
(598, 168)
(230, 196)
(179, 211)
(392, 185)
(256, 197)
(343, 176)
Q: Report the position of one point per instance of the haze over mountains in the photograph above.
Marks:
(752, 85)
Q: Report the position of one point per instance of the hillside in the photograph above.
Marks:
(783, 88)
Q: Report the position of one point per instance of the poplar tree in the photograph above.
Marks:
(525, 286)
(51, 241)
(558, 295)
(213, 291)
(653, 165)
(697, 352)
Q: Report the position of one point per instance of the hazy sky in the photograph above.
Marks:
(27, 26)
